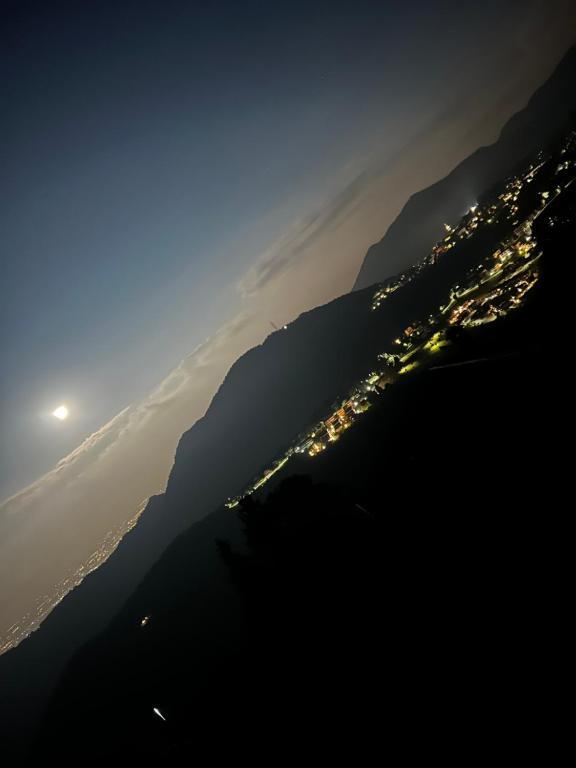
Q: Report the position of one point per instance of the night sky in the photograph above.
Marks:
(176, 175)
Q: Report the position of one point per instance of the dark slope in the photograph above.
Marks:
(274, 391)
(419, 225)
(363, 628)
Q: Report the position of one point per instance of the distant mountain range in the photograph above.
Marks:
(419, 224)
(269, 395)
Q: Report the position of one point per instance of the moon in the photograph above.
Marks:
(61, 412)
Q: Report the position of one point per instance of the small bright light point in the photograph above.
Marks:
(61, 412)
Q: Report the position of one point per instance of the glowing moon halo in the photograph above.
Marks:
(61, 412)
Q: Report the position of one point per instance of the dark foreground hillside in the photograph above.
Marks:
(273, 391)
(396, 593)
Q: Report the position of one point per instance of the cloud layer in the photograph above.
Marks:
(304, 234)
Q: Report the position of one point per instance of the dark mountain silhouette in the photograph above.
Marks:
(419, 224)
(398, 588)
(274, 391)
